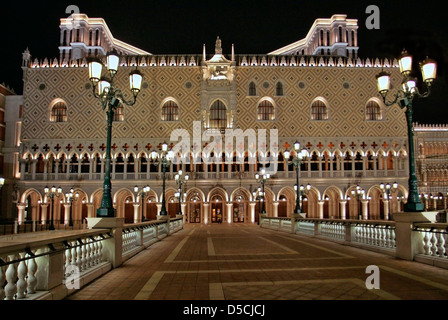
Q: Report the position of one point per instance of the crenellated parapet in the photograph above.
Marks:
(240, 60)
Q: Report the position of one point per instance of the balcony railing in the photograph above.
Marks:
(215, 175)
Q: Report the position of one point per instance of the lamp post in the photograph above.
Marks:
(302, 191)
(388, 189)
(297, 161)
(359, 194)
(165, 160)
(141, 194)
(69, 199)
(51, 193)
(181, 181)
(110, 97)
(262, 179)
(405, 96)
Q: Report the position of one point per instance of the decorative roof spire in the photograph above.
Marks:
(218, 48)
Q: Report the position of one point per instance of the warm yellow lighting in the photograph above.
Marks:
(405, 62)
(95, 69)
(409, 86)
(429, 70)
(135, 81)
(103, 86)
(383, 81)
(112, 63)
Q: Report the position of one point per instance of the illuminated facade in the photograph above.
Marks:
(432, 164)
(316, 91)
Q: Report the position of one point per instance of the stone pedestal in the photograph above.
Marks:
(409, 242)
(113, 247)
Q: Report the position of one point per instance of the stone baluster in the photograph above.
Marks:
(89, 260)
(22, 271)
(440, 251)
(433, 248)
(79, 258)
(68, 260)
(84, 257)
(11, 276)
(74, 257)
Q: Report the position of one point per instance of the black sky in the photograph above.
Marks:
(182, 27)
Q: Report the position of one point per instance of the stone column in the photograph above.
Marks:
(137, 216)
(320, 205)
(365, 209)
(275, 210)
(342, 204)
(21, 212)
(386, 209)
(44, 207)
(183, 207)
(229, 212)
(252, 211)
(90, 212)
(205, 218)
(67, 207)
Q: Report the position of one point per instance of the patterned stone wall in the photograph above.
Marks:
(346, 89)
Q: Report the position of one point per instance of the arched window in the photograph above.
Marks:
(319, 110)
(252, 89)
(279, 89)
(59, 112)
(119, 113)
(373, 111)
(218, 116)
(170, 111)
(265, 110)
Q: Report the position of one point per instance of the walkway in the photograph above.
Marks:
(245, 262)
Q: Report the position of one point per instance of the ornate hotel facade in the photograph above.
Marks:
(316, 91)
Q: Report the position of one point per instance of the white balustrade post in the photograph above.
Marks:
(113, 247)
(50, 271)
(409, 242)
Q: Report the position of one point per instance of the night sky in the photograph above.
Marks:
(254, 27)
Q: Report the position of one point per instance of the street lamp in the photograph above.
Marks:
(262, 179)
(2, 182)
(165, 160)
(297, 161)
(141, 194)
(388, 189)
(50, 193)
(69, 198)
(181, 183)
(359, 194)
(110, 97)
(302, 192)
(404, 96)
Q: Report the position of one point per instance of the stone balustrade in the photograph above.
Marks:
(51, 265)
(411, 236)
